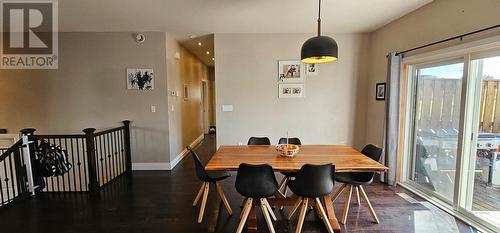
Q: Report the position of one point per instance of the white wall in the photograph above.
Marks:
(246, 77)
(438, 20)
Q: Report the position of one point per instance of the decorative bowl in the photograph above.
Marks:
(287, 150)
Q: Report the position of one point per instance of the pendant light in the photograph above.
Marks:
(319, 49)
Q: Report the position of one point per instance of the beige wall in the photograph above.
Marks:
(438, 20)
(185, 120)
(246, 77)
(89, 90)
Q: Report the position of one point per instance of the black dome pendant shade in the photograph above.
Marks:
(319, 49)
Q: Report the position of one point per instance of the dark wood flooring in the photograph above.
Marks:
(160, 201)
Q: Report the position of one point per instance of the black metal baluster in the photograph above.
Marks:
(79, 163)
(122, 150)
(85, 161)
(1, 188)
(73, 164)
(108, 164)
(62, 175)
(114, 153)
(6, 180)
(12, 178)
(101, 160)
(56, 177)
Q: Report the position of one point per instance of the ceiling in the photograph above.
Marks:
(199, 46)
(230, 16)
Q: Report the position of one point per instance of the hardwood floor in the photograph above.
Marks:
(161, 201)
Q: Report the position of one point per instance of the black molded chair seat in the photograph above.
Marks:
(256, 181)
(313, 181)
(259, 141)
(354, 178)
(208, 178)
(217, 176)
(293, 141)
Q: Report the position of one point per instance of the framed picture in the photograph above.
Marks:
(140, 79)
(291, 90)
(186, 92)
(290, 71)
(311, 69)
(380, 91)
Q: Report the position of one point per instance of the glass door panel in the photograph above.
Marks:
(483, 187)
(436, 118)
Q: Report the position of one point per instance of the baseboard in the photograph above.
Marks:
(184, 152)
(150, 166)
(166, 166)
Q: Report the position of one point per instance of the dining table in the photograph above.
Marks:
(345, 158)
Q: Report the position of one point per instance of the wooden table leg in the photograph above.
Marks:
(252, 218)
(331, 214)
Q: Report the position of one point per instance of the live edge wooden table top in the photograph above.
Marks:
(345, 158)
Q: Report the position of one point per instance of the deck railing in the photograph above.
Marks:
(96, 157)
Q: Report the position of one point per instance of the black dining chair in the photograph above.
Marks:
(283, 185)
(256, 183)
(259, 141)
(311, 183)
(356, 180)
(207, 178)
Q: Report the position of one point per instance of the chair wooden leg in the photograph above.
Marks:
(223, 198)
(357, 195)
(294, 208)
(339, 191)
(346, 205)
(302, 215)
(247, 208)
(266, 203)
(203, 202)
(202, 188)
(265, 212)
(244, 207)
(372, 211)
(325, 219)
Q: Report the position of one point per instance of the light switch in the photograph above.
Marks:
(227, 108)
(153, 108)
(172, 108)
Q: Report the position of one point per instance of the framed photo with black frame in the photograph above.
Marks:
(380, 91)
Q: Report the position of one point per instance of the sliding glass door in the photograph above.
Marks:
(481, 192)
(436, 126)
(452, 132)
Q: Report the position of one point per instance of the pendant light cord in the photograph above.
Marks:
(319, 18)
